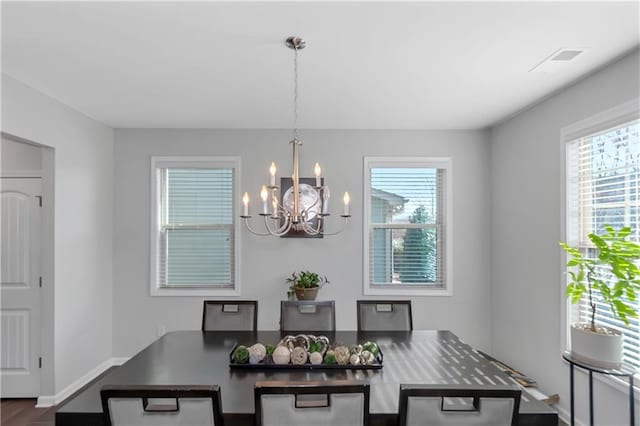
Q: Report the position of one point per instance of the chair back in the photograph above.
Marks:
(326, 403)
(445, 405)
(161, 405)
(231, 315)
(307, 315)
(384, 315)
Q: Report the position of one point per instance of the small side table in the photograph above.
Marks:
(625, 371)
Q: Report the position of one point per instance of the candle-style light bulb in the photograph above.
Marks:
(264, 195)
(272, 170)
(318, 172)
(245, 201)
(325, 199)
(346, 200)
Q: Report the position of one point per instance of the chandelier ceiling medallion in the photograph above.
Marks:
(299, 206)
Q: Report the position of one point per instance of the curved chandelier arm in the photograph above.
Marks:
(279, 207)
(308, 229)
(344, 225)
(246, 222)
(286, 226)
(305, 224)
(304, 213)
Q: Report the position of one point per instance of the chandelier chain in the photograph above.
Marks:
(295, 92)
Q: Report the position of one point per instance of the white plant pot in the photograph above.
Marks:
(600, 349)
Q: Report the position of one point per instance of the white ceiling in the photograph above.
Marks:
(367, 65)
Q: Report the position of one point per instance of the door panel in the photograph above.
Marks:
(15, 340)
(20, 287)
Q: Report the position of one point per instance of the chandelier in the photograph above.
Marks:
(301, 205)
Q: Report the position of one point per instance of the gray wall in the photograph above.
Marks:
(527, 287)
(266, 262)
(18, 158)
(82, 267)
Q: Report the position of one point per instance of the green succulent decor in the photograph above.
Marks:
(305, 279)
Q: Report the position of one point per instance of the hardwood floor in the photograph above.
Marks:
(22, 412)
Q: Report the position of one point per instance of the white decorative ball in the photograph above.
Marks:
(315, 358)
(281, 355)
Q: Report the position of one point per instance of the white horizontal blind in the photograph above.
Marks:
(406, 226)
(603, 175)
(196, 227)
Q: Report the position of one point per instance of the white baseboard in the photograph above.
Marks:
(51, 400)
(565, 416)
(535, 393)
(119, 361)
(46, 401)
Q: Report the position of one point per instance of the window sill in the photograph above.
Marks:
(194, 292)
(368, 291)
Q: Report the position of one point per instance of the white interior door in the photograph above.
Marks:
(20, 287)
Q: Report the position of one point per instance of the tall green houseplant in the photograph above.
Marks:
(617, 257)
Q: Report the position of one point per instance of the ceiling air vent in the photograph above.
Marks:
(558, 60)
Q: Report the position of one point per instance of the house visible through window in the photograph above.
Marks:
(406, 217)
(603, 184)
(194, 233)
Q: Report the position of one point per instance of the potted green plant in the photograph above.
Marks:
(612, 272)
(305, 284)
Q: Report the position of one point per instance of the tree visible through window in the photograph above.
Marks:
(416, 258)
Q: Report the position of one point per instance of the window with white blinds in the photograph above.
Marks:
(195, 242)
(406, 219)
(603, 185)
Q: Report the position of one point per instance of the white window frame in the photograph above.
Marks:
(444, 163)
(602, 121)
(194, 162)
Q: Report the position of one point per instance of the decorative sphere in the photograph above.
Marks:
(281, 355)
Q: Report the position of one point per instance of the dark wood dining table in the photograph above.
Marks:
(197, 357)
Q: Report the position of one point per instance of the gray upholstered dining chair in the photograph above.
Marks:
(447, 405)
(307, 315)
(171, 405)
(384, 315)
(232, 315)
(326, 403)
